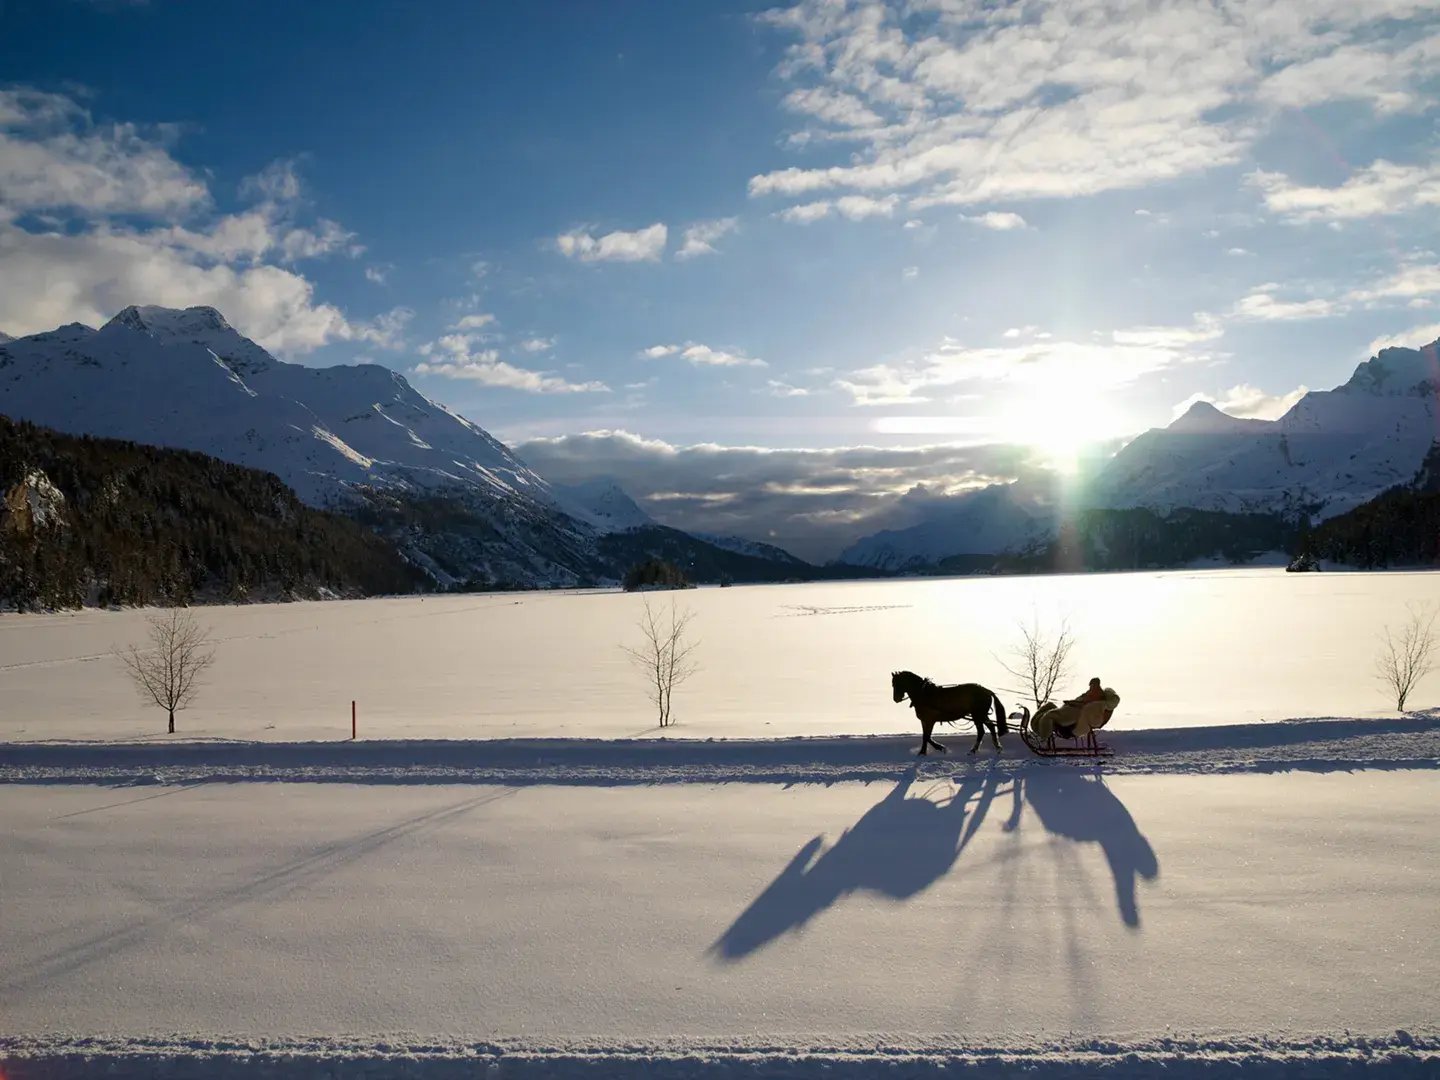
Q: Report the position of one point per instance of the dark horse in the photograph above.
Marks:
(947, 704)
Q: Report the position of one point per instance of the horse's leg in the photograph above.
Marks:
(979, 734)
(925, 728)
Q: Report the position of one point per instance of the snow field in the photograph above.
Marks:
(1046, 916)
(1183, 649)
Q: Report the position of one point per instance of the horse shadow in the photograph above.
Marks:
(1077, 805)
(897, 849)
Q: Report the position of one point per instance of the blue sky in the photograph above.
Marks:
(678, 242)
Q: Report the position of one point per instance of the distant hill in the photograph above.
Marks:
(87, 520)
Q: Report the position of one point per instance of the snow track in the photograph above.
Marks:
(1313, 745)
(1400, 1056)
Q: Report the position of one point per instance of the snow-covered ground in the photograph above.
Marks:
(1181, 648)
(774, 894)
(1036, 911)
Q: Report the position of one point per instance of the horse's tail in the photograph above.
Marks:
(1000, 724)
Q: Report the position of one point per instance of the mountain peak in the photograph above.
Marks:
(1397, 371)
(171, 322)
(601, 502)
(1203, 418)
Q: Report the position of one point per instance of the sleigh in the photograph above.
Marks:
(1068, 730)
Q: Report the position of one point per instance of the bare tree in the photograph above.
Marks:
(167, 670)
(1407, 655)
(1041, 659)
(665, 657)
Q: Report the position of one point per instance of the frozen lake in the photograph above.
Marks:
(1182, 648)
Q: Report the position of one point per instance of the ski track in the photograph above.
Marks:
(1312, 745)
(1400, 1056)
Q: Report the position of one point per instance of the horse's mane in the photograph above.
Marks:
(925, 684)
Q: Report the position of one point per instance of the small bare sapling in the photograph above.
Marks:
(1040, 659)
(168, 668)
(1407, 655)
(665, 656)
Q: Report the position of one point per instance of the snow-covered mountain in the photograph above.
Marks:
(1334, 449)
(1002, 517)
(759, 550)
(187, 379)
(602, 503)
(356, 438)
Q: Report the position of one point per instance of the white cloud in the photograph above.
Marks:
(702, 355)
(452, 356)
(1204, 327)
(537, 344)
(1041, 365)
(277, 182)
(53, 156)
(699, 239)
(831, 107)
(474, 322)
(117, 220)
(806, 213)
(1260, 305)
(910, 273)
(54, 278)
(1001, 221)
(1383, 73)
(1247, 402)
(1417, 337)
(377, 274)
(852, 207)
(860, 207)
(785, 390)
(1411, 282)
(642, 245)
(962, 102)
(1378, 189)
(812, 502)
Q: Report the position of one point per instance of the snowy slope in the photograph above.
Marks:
(995, 519)
(355, 437)
(187, 379)
(1331, 452)
(601, 503)
(742, 546)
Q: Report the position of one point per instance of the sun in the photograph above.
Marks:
(1060, 424)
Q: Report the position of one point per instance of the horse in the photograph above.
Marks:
(947, 704)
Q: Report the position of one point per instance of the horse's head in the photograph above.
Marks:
(900, 683)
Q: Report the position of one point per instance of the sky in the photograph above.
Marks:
(852, 256)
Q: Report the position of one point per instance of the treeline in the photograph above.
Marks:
(87, 520)
(1136, 539)
(1399, 528)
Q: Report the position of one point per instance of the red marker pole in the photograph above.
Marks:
(352, 721)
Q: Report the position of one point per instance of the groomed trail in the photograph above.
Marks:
(1315, 745)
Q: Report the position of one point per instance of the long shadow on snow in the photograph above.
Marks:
(1077, 805)
(899, 848)
(902, 846)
